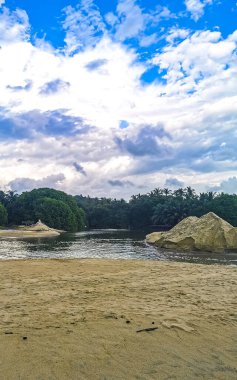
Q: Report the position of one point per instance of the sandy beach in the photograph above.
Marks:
(21, 234)
(79, 319)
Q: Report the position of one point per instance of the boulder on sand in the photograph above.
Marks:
(208, 233)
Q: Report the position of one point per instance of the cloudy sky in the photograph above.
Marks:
(116, 97)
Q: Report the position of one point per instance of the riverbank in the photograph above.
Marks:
(78, 319)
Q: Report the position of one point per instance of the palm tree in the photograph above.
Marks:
(157, 192)
(166, 191)
(11, 196)
(190, 193)
(211, 195)
(179, 193)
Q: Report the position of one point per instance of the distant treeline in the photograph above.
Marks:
(160, 207)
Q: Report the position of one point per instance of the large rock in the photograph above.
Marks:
(208, 233)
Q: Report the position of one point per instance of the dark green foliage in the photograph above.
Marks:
(140, 211)
(160, 207)
(104, 213)
(3, 215)
(56, 214)
(225, 206)
(170, 212)
(53, 207)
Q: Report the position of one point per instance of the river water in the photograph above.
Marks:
(108, 244)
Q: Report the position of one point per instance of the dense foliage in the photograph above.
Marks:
(104, 212)
(3, 215)
(53, 207)
(160, 207)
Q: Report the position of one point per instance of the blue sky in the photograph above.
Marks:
(112, 98)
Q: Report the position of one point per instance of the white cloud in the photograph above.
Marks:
(148, 40)
(198, 57)
(131, 21)
(13, 26)
(84, 25)
(195, 101)
(196, 7)
(176, 34)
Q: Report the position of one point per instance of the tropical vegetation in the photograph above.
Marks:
(161, 208)
(55, 208)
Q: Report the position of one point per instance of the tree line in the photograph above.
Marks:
(161, 208)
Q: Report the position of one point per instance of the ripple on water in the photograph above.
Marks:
(108, 244)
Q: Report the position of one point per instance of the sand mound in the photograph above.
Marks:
(39, 226)
(208, 233)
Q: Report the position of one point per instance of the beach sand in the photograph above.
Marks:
(21, 234)
(78, 319)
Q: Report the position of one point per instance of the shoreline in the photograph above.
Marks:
(119, 260)
(81, 316)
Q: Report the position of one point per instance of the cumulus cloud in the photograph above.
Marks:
(182, 125)
(14, 26)
(27, 125)
(196, 7)
(83, 24)
(131, 21)
(147, 142)
(200, 56)
(227, 186)
(174, 183)
(176, 34)
(27, 184)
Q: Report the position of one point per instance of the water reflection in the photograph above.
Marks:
(112, 244)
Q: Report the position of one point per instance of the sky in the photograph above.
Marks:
(111, 98)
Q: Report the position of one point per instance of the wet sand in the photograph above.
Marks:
(78, 319)
(21, 234)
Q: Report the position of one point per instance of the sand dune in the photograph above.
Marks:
(80, 320)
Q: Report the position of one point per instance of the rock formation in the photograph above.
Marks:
(208, 233)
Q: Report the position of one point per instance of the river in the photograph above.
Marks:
(108, 244)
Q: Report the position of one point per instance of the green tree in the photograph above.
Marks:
(170, 212)
(225, 206)
(3, 215)
(56, 214)
(29, 206)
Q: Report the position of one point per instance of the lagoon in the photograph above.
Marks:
(106, 244)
